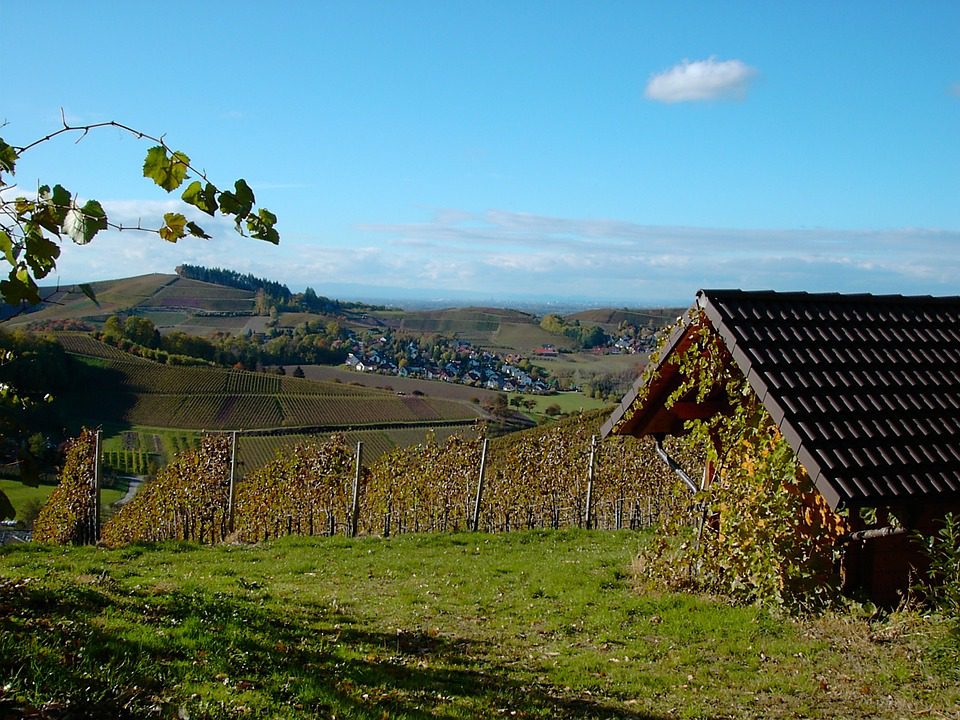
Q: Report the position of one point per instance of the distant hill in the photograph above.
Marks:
(142, 294)
(608, 318)
(492, 328)
(203, 308)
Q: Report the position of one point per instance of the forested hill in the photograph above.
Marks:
(231, 278)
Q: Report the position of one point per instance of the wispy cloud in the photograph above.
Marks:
(954, 89)
(502, 254)
(699, 80)
(508, 251)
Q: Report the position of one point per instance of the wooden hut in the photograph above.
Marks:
(866, 390)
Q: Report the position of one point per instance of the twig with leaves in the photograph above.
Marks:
(31, 230)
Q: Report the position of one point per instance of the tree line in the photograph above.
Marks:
(234, 279)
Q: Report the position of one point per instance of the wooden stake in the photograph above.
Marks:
(593, 452)
(96, 488)
(355, 503)
(231, 490)
(479, 497)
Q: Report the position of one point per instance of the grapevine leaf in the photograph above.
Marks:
(178, 169)
(202, 198)
(8, 157)
(19, 288)
(41, 254)
(61, 202)
(197, 231)
(155, 164)
(82, 224)
(174, 225)
(261, 226)
(51, 208)
(239, 203)
(23, 206)
(10, 251)
(87, 290)
(165, 170)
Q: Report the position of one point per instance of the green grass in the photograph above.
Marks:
(528, 625)
(572, 402)
(22, 497)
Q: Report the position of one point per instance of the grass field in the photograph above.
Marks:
(523, 625)
(571, 402)
(23, 497)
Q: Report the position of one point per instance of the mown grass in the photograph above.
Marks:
(532, 624)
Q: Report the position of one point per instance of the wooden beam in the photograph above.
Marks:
(697, 411)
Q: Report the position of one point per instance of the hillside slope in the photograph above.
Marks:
(114, 387)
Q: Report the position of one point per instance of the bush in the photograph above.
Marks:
(943, 549)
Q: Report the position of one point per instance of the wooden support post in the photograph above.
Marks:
(355, 501)
(479, 496)
(589, 510)
(96, 487)
(232, 488)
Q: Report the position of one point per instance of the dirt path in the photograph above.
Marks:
(135, 481)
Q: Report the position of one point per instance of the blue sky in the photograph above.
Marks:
(624, 153)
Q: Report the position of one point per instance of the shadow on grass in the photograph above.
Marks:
(90, 649)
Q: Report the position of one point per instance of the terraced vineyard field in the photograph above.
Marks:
(196, 294)
(139, 392)
(84, 344)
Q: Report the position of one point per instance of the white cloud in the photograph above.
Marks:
(503, 254)
(709, 79)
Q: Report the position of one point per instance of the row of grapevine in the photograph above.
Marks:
(239, 382)
(85, 344)
(425, 488)
(69, 515)
(305, 490)
(188, 500)
(546, 478)
(255, 451)
(148, 377)
(135, 462)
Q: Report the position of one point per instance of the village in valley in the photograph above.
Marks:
(459, 361)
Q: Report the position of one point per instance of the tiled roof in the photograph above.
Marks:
(865, 388)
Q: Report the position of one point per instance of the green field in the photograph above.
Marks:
(572, 402)
(24, 497)
(521, 625)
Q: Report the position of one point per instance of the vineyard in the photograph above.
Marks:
(84, 344)
(140, 392)
(255, 451)
(196, 294)
(544, 478)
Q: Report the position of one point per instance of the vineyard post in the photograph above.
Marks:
(231, 490)
(96, 487)
(355, 502)
(589, 509)
(479, 498)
